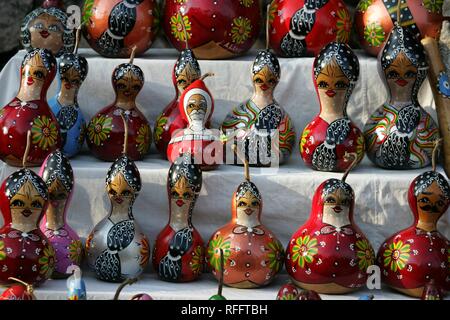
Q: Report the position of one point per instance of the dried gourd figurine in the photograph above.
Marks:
(196, 107)
(76, 288)
(252, 254)
(105, 132)
(57, 174)
(185, 71)
(29, 111)
(116, 248)
(179, 250)
(19, 291)
(260, 126)
(219, 295)
(413, 257)
(400, 133)
(332, 134)
(25, 252)
(47, 27)
(73, 70)
(288, 292)
(329, 254)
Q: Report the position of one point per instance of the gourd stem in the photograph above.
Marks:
(347, 157)
(77, 40)
(125, 138)
(27, 150)
(219, 292)
(244, 160)
(435, 152)
(128, 281)
(267, 27)
(206, 75)
(133, 53)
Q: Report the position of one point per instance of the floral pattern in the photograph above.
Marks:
(272, 11)
(374, 34)
(82, 134)
(197, 261)
(275, 255)
(145, 252)
(160, 127)
(363, 5)
(44, 132)
(76, 251)
(99, 128)
(246, 3)
(396, 255)
(304, 250)
(303, 141)
(2, 251)
(434, 6)
(176, 25)
(214, 251)
(360, 146)
(143, 139)
(240, 31)
(87, 12)
(343, 25)
(365, 254)
(47, 261)
(89, 240)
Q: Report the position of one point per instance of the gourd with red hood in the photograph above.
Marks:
(329, 254)
(29, 110)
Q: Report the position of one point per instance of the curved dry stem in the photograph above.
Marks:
(347, 157)
(125, 138)
(244, 161)
(27, 149)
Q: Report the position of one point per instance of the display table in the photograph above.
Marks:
(381, 196)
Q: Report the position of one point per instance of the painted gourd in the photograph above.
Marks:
(431, 292)
(288, 292)
(412, 258)
(256, 124)
(105, 132)
(73, 70)
(196, 108)
(47, 27)
(375, 19)
(57, 173)
(76, 288)
(116, 248)
(179, 249)
(185, 71)
(329, 254)
(29, 111)
(25, 252)
(303, 27)
(113, 27)
(332, 134)
(252, 255)
(400, 133)
(20, 291)
(215, 29)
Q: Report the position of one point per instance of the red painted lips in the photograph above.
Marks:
(401, 82)
(44, 34)
(180, 203)
(330, 93)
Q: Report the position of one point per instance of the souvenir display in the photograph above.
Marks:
(116, 248)
(252, 254)
(178, 254)
(332, 134)
(260, 127)
(413, 257)
(196, 108)
(219, 295)
(20, 291)
(400, 133)
(114, 27)
(215, 30)
(431, 292)
(440, 86)
(29, 111)
(130, 281)
(25, 252)
(288, 292)
(302, 28)
(76, 288)
(185, 71)
(46, 27)
(329, 254)
(73, 70)
(57, 174)
(105, 132)
(375, 19)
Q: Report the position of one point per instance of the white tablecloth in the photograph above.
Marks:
(381, 196)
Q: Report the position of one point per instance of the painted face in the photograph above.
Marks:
(431, 204)
(119, 191)
(336, 208)
(181, 194)
(186, 77)
(265, 80)
(71, 80)
(128, 86)
(332, 84)
(247, 205)
(34, 74)
(47, 32)
(197, 107)
(26, 206)
(401, 75)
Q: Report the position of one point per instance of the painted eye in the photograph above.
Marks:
(181, 81)
(186, 195)
(323, 84)
(242, 204)
(392, 74)
(112, 192)
(126, 193)
(255, 203)
(175, 194)
(424, 200)
(259, 80)
(39, 26)
(341, 85)
(330, 200)
(440, 203)
(53, 28)
(272, 81)
(75, 82)
(410, 74)
(136, 88)
(38, 74)
(36, 204)
(121, 86)
(18, 203)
